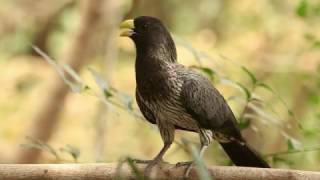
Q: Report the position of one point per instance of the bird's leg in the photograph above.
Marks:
(205, 139)
(158, 158)
(189, 163)
(167, 135)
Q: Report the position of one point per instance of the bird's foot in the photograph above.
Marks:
(151, 165)
(189, 166)
(180, 164)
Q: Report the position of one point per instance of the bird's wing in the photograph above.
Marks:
(147, 113)
(207, 106)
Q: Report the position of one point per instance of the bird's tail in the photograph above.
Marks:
(243, 155)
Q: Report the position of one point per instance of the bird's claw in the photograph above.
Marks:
(189, 165)
(180, 164)
(152, 164)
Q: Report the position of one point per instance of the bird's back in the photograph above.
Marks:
(206, 105)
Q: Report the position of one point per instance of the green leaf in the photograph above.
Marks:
(73, 151)
(267, 87)
(70, 77)
(316, 10)
(207, 71)
(134, 169)
(314, 148)
(235, 98)
(200, 166)
(101, 82)
(38, 144)
(244, 123)
(316, 44)
(107, 94)
(293, 144)
(310, 132)
(127, 101)
(309, 37)
(277, 159)
(314, 99)
(245, 90)
(302, 8)
(86, 87)
(250, 74)
(290, 145)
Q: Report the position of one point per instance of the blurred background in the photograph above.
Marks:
(264, 57)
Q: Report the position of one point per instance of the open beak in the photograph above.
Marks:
(127, 28)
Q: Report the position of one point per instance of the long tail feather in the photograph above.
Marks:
(243, 155)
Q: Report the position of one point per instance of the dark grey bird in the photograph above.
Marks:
(177, 98)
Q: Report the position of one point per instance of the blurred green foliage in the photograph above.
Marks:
(263, 56)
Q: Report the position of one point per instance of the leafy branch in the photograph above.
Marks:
(37, 144)
(107, 94)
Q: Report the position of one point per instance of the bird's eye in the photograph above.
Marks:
(145, 26)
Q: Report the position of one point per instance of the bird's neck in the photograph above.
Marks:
(153, 66)
(162, 49)
(165, 52)
(155, 57)
(150, 67)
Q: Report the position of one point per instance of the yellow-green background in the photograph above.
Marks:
(279, 41)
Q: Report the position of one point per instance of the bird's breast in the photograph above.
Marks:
(167, 106)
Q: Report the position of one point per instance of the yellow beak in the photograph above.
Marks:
(126, 28)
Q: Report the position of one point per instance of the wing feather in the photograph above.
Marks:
(147, 113)
(207, 106)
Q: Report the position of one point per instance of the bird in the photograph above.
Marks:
(175, 97)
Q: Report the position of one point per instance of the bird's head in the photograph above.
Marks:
(148, 34)
(144, 29)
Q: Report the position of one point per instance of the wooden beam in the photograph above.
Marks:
(165, 171)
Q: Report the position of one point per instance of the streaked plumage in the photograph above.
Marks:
(175, 97)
